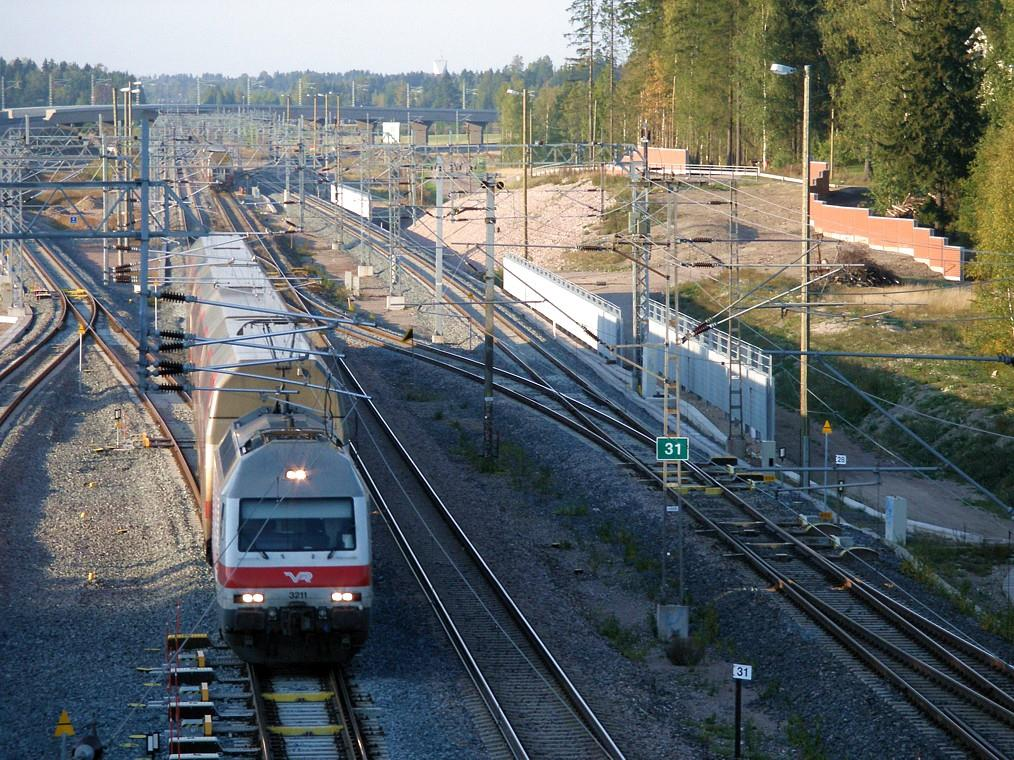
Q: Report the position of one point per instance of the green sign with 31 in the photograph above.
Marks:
(672, 449)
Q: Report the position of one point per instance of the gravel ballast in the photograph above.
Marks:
(99, 548)
(575, 541)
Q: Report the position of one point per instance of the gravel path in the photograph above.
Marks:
(70, 642)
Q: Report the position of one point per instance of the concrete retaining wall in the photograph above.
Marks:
(881, 233)
(703, 369)
(351, 199)
(592, 320)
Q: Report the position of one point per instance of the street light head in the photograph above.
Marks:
(512, 91)
(782, 70)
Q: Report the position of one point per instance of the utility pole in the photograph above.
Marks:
(438, 269)
(733, 359)
(804, 293)
(640, 229)
(105, 202)
(142, 306)
(338, 164)
(525, 139)
(302, 178)
(488, 451)
(673, 382)
(391, 247)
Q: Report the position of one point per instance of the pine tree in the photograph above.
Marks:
(994, 235)
(583, 17)
(932, 121)
(612, 38)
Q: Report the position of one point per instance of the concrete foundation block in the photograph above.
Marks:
(672, 620)
(895, 519)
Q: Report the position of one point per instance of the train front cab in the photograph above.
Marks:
(291, 544)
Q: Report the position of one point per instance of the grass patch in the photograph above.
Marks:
(599, 261)
(627, 542)
(950, 559)
(511, 460)
(928, 321)
(571, 510)
(421, 394)
(999, 622)
(806, 737)
(719, 738)
(626, 641)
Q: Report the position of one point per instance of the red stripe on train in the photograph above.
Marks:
(293, 577)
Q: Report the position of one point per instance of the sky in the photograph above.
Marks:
(233, 37)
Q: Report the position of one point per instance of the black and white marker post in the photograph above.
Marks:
(740, 673)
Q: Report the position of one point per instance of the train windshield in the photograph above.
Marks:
(296, 525)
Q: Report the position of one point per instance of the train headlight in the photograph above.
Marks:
(249, 597)
(345, 596)
(295, 474)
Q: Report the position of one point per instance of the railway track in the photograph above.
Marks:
(255, 711)
(31, 367)
(227, 708)
(959, 686)
(119, 346)
(511, 667)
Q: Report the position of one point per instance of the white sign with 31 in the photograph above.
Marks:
(742, 672)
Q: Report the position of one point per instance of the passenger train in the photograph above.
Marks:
(286, 512)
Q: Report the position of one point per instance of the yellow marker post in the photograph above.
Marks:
(827, 432)
(80, 353)
(63, 726)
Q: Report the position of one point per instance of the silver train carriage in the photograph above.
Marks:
(286, 513)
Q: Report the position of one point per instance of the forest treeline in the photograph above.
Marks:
(26, 83)
(918, 94)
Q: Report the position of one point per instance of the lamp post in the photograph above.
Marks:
(365, 86)
(3, 91)
(316, 95)
(804, 273)
(525, 139)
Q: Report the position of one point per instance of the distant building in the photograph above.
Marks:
(439, 67)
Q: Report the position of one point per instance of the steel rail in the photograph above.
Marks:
(40, 341)
(991, 699)
(127, 374)
(48, 367)
(591, 723)
(309, 715)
